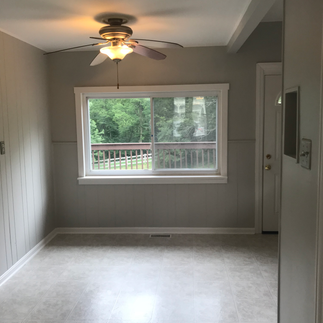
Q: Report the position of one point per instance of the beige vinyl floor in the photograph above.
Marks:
(138, 279)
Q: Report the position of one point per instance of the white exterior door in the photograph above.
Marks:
(271, 153)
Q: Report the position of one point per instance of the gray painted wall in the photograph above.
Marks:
(302, 67)
(26, 190)
(220, 205)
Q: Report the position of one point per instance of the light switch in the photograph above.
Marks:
(2, 148)
(305, 153)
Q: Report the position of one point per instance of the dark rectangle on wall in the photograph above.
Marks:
(291, 122)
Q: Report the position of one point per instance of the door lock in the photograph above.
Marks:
(268, 156)
(267, 167)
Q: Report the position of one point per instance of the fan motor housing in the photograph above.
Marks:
(115, 32)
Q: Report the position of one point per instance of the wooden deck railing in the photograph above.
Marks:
(167, 155)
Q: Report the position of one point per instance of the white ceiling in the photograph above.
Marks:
(55, 24)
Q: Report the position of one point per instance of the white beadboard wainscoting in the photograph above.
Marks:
(26, 190)
(228, 205)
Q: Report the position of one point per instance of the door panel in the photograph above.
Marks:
(272, 153)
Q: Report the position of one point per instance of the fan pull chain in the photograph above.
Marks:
(117, 75)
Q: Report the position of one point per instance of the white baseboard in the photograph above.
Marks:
(153, 230)
(27, 257)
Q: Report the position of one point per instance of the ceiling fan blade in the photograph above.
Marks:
(100, 58)
(98, 38)
(166, 44)
(148, 52)
(63, 50)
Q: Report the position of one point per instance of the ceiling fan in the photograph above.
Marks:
(115, 36)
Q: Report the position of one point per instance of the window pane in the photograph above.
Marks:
(185, 132)
(120, 134)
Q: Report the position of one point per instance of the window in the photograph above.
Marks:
(278, 100)
(152, 134)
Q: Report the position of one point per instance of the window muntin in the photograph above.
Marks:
(218, 172)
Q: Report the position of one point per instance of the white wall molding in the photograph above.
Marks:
(149, 180)
(154, 230)
(27, 257)
(263, 69)
(319, 235)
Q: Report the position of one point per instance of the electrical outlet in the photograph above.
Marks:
(2, 148)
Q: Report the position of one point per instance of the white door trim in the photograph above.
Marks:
(319, 234)
(263, 69)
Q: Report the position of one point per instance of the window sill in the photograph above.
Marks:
(114, 180)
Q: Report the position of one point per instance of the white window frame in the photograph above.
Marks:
(174, 176)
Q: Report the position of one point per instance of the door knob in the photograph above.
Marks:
(267, 167)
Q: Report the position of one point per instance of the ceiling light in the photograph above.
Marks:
(116, 52)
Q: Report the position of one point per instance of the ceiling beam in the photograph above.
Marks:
(253, 16)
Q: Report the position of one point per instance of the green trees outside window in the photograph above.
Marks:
(177, 122)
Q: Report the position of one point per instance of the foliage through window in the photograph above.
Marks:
(184, 133)
(152, 133)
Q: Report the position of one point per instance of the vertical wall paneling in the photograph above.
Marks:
(124, 206)
(139, 205)
(106, 206)
(5, 246)
(228, 194)
(92, 207)
(149, 205)
(160, 209)
(3, 249)
(203, 205)
(214, 214)
(81, 210)
(182, 205)
(36, 121)
(8, 140)
(245, 188)
(171, 202)
(68, 199)
(26, 190)
(19, 177)
(22, 133)
(198, 202)
(28, 129)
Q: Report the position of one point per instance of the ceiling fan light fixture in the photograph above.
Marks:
(116, 52)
